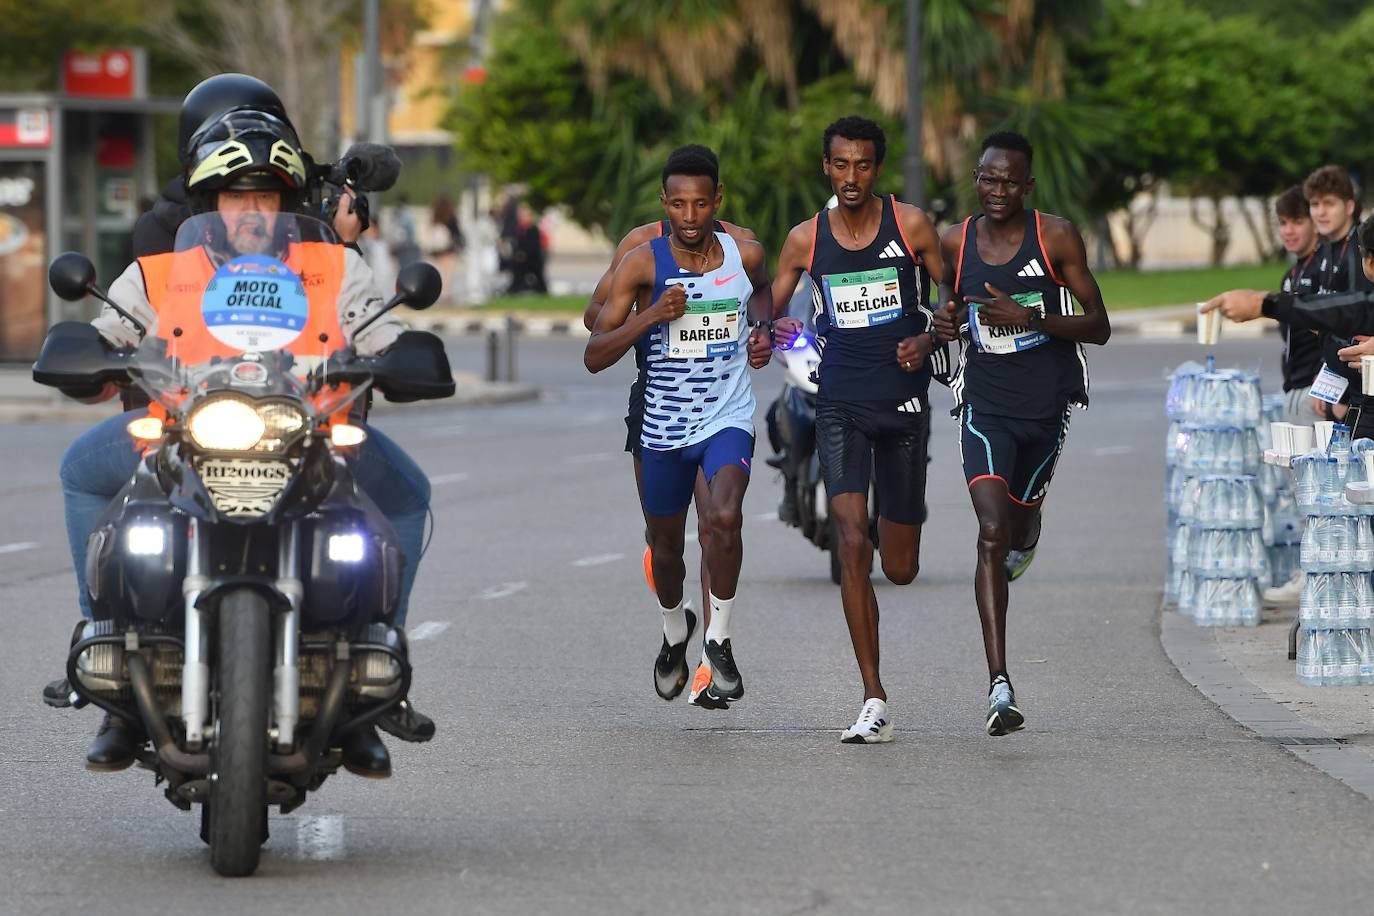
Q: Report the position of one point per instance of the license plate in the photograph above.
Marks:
(244, 487)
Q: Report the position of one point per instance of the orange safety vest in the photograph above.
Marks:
(176, 281)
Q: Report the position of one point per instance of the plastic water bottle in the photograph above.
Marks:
(1347, 658)
(1347, 599)
(1330, 658)
(1305, 480)
(1310, 657)
(1366, 647)
(1339, 446)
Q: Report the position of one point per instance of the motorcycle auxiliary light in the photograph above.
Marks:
(229, 424)
(346, 548)
(145, 540)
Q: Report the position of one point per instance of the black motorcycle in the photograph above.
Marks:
(242, 585)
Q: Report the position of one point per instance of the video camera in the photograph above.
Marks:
(363, 167)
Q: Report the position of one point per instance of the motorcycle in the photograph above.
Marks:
(242, 585)
(792, 434)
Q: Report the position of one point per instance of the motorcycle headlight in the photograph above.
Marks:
(234, 424)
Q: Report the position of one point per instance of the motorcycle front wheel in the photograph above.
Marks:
(237, 806)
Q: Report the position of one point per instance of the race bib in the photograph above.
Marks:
(861, 300)
(1328, 386)
(255, 302)
(707, 329)
(1007, 339)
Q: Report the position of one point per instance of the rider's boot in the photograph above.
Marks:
(114, 746)
(403, 720)
(364, 754)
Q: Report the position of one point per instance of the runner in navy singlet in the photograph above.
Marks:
(1012, 275)
(703, 288)
(870, 258)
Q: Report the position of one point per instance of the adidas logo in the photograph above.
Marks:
(911, 406)
(1033, 269)
(893, 250)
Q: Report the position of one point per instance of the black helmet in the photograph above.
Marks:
(218, 95)
(243, 150)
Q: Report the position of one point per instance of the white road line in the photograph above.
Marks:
(448, 478)
(591, 458)
(428, 630)
(504, 590)
(690, 536)
(437, 431)
(766, 517)
(17, 547)
(1109, 450)
(320, 839)
(598, 559)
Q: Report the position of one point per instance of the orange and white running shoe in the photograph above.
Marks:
(703, 693)
(649, 569)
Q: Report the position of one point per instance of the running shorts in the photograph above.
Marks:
(883, 441)
(670, 475)
(1018, 451)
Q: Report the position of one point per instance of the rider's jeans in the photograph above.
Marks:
(101, 460)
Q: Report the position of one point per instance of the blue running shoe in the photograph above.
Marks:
(1003, 716)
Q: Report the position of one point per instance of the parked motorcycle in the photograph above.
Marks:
(242, 585)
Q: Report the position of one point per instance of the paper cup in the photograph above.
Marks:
(1367, 374)
(1324, 429)
(1304, 438)
(1283, 438)
(1208, 326)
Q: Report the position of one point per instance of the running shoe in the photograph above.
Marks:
(1003, 716)
(670, 668)
(1288, 594)
(1017, 562)
(649, 569)
(872, 727)
(725, 679)
(703, 690)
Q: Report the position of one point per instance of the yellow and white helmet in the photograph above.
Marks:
(246, 150)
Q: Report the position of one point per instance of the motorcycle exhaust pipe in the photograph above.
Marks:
(307, 758)
(156, 725)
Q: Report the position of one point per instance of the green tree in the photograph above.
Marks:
(1218, 107)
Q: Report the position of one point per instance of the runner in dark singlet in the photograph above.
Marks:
(1012, 275)
(870, 258)
(634, 417)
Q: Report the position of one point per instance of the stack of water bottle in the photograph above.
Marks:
(1336, 612)
(1283, 522)
(1218, 556)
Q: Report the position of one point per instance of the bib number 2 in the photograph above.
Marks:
(863, 299)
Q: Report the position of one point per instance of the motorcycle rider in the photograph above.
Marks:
(247, 166)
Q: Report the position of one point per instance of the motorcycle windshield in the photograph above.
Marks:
(235, 313)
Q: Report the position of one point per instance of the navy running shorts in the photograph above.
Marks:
(1019, 452)
(883, 441)
(670, 476)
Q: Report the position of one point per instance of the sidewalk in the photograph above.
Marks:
(24, 401)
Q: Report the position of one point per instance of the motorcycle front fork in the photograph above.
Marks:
(195, 674)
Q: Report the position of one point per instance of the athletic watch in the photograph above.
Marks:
(1037, 318)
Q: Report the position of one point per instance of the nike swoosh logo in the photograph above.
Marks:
(721, 281)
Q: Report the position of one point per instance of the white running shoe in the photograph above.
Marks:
(872, 727)
(1286, 595)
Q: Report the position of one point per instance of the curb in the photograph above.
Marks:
(1193, 651)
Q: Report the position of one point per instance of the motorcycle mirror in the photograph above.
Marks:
(418, 285)
(71, 275)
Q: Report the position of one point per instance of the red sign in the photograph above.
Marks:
(25, 127)
(116, 74)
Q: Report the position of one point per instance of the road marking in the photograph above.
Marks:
(690, 536)
(1108, 450)
(320, 839)
(504, 590)
(428, 630)
(591, 458)
(598, 559)
(766, 517)
(17, 547)
(448, 478)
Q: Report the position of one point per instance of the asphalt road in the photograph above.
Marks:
(560, 783)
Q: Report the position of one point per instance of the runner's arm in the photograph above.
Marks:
(951, 317)
(1069, 258)
(919, 233)
(760, 306)
(616, 328)
(792, 262)
(632, 240)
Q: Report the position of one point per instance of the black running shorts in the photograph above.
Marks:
(880, 440)
(634, 416)
(1020, 452)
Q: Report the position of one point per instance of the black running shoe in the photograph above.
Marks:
(725, 679)
(670, 668)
